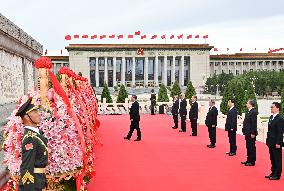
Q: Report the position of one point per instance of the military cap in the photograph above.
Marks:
(26, 108)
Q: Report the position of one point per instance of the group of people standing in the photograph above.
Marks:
(274, 139)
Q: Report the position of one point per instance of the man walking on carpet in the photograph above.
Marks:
(134, 119)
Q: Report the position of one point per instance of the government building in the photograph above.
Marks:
(245, 62)
(138, 65)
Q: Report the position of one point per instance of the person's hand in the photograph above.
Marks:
(252, 136)
(232, 129)
(277, 146)
(131, 119)
(213, 125)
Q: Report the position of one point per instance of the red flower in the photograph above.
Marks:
(64, 70)
(43, 62)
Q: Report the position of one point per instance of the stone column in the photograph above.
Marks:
(277, 65)
(114, 71)
(146, 72)
(165, 71)
(106, 72)
(269, 65)
(133, 72)
(173, 72)
(181, 71)
(242, 68)
(156, 80)
(97, 72)
(235, 68)
(123, 64)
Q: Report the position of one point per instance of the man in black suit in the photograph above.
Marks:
(183, 112)
(153, 102)
(231, 127)
(134, 118)
(274, 141)
(175, 109)
(211, 123)
(250, 133)
(193, 115)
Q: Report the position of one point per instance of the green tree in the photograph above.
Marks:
(282, 103)
(249, 94)
(106, 94)
(162, 94)
(122, 94)
(175, 90)
(190, 91)
(228, 94)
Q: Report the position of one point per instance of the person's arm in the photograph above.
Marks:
(253, 128)
(234, 123)
(279, 134)
(214, 117)
(28, 162)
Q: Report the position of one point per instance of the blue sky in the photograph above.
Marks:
(246, 24)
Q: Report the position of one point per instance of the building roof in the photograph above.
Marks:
(248, 56)
(136, 46)
(59, 58)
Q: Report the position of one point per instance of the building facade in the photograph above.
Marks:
(245, 62)
(140, 65)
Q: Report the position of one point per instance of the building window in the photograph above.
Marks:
(237, 72)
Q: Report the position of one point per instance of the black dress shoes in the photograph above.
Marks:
(232, 154)
(181, 131)
(211, 146)
(137, 139)
(245, 162)
(250, 164)
(127, 138)
(174, 127)
(268, 176)
(274, 178)
(227, 153)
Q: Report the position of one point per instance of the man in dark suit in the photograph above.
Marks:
(34, 150)
(211, 123)
(134, 118)
(175, 109)
(193, 115)
(231, 127)
(182, 112)
(274, 141)
(153, 102)
(250, 133)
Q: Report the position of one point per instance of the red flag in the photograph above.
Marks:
(241, 49)
(67, 37)
(197, 36)
(163, 36)
(215, 49)
(85, 36)
(130, 36)
(112, 36)
(189, 36)
(120, 36)
(144, 36)
(180, 36)
(154, 36)
(206, 36)
(137, 33)
(102, 36)
(172, 36)
(45, 52)
(76, 36)
(254, 48)
(94, 36)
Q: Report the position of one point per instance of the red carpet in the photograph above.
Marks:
(167, 160)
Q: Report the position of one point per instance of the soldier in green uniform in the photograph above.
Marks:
(34, 150)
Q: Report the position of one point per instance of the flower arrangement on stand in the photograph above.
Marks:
(68, 126)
